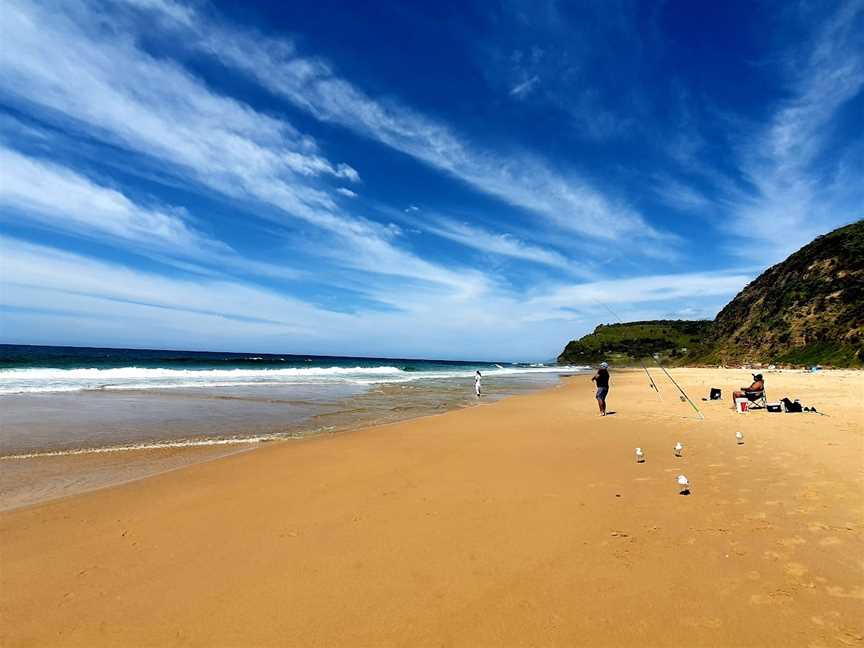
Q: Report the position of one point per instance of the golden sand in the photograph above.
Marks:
(523, 523)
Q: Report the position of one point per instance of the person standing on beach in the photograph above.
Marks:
(477, 377)
(602, 380)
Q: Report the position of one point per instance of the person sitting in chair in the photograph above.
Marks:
(755, 390)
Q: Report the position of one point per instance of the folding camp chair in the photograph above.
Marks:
(757, 399)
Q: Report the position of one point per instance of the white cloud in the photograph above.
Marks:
(44, 289)
(637, 290)
(523, 180)
(797, 195)
(55, 196)
(500, 244)
(346, 192)
(680, 195)
(522, 89)
(38, 276)
(156, 108)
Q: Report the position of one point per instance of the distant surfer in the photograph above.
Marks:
(602, 380)
(477, 378)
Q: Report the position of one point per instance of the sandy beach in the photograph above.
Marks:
(526, 522)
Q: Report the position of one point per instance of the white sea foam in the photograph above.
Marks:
(41, 380)
(156, 445)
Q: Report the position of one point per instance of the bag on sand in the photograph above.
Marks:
(715, 394)
(791, 406)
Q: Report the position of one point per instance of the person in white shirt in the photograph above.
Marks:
(477, 377)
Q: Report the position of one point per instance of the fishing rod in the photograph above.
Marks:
(663, 369)
(692, 404)
(641, 364)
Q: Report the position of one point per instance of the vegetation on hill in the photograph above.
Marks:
(627, 343)
(807, 310)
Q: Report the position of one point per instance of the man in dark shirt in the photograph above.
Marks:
(602, 380)
(756, 388)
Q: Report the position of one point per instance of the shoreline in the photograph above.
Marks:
(524, 522)
(49, 475)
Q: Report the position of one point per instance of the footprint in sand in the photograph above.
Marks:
(777, 597)
(792, 542)
(841, 592)
(795, 569)
(702, 622)
(849, 637)
(809, 496)
(753, 575)
(830, 541)
(816, 527)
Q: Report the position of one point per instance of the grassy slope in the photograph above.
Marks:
(807, 310)
(628, 343)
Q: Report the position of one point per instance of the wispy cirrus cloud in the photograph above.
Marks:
(52, 196)
(525, 87)
(640, 290)
(795, 178)
(560, 196)
(503, 244)
(55, 196)
(156, 108)
(796, 191)
(159, 110)
(46, 286)
(680, 195)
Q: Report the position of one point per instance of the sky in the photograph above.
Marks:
(469, 180)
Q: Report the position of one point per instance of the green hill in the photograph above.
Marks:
(807, 310)
(672, 340)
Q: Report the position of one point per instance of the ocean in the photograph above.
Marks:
(76, 419)
(63, 400)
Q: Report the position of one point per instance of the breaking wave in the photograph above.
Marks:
(37, 380)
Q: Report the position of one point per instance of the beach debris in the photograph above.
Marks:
(679, 448)
(739, 438)
(640, 455)
(683, 484)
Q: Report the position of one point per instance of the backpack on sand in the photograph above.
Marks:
(791, 406)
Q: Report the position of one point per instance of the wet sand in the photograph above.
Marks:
(62, 444)
(524, 522)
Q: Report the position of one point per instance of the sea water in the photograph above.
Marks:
(78, 418)
(57, 401)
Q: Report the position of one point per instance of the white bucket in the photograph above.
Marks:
(741, 405)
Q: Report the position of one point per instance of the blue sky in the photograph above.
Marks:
(450, 180)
